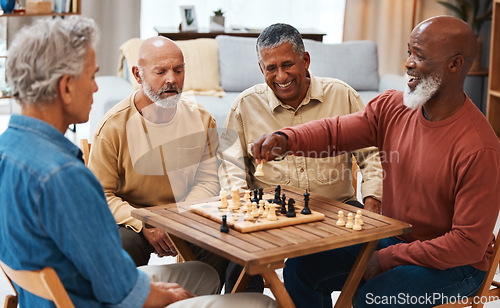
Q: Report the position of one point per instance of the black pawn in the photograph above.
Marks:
(306, 210)
(224, 228)
(283, 205)
(291, 208)
(261, 193)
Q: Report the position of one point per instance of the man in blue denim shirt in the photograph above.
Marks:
(52, 209)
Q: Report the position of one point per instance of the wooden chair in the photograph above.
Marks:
(85, 147)
(355, 175)
(44, 283)
(490, 289)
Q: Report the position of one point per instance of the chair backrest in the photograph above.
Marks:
(44, 283)
(85, 147)
(355, 176)
(490, 289)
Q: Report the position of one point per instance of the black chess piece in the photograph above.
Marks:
(255, 197)
(291, 208)
(224, 228)
(283, 205)
(306, 210)
(261, 193)
(277, 193)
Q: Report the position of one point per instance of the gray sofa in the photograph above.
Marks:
(354, 62)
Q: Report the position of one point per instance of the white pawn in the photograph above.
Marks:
(259, 170)
(266, 209)
(223, 199)
(255, 212)
(272, 212)
(248, 215)
(350, 222)
(247, 196)
(357, 223)
(341, 221)
(247, 206)
(261, 207)
(360, 217)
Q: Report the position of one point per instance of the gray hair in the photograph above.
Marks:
(42, 53)
(277, 34)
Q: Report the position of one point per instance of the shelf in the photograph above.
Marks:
(494, 93)
(33, 15)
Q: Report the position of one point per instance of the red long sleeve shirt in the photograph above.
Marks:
(442, 177)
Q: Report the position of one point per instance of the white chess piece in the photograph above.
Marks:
(360, 217)
(272, 212)
(350, 222)
(266, 209)
(357, 223)
(261, 207)
(341, 221)
(255, 212)
(247, 195)
(259, 171)
(235, 194)
(223, 199)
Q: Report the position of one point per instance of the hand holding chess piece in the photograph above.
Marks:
(259, 170)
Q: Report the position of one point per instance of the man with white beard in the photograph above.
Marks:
(156, 147)
(447, 157)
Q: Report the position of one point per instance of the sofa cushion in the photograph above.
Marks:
(202, 66)
(354, 62)
(238, 64)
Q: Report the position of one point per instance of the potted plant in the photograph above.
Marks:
(217, 21)
(472, 12)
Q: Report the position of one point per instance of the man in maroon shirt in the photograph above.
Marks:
(439, 155)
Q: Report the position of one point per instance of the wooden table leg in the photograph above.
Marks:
(182, 248)
(242, 282)
(357, 271)
(278, 288)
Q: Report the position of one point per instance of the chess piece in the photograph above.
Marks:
(223, 200)
(357, 223)
(266, 209)
(350, 222)
(283, 205)
(255, 196)
(224, 228)
(277, 193)
(261, 193)
(306, 210)
(259, 170)
(261, 207)
(246, 197)
(248, 215)
(291, 208)
(255, 211)
(360, 217)
(235, 194)
(271, 215)
(341, 221)
(247, 206)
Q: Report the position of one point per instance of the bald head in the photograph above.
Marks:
(158, 47)
(452, 35)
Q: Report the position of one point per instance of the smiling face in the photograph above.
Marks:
(285, 72)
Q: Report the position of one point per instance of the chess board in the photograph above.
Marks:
(235, 218)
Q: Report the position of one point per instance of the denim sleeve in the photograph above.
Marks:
(76, 216)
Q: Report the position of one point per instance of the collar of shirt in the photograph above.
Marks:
(315, 92)
(46, 131)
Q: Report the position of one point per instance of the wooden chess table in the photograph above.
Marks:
(262, 252)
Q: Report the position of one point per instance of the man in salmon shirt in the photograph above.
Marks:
(442, 155)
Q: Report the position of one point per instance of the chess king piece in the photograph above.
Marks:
(224, 228)
(306, 210)
(291, 208)
(283, 204)
(259, 170)
(341, 221)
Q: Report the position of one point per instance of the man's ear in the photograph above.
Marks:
(456, 63)
(307, 60)
(135, 72)
(65, 88)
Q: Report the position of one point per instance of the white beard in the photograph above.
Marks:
(424, 90)
(168, 102)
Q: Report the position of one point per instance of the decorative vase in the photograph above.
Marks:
(217, 23)
(8, 6)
